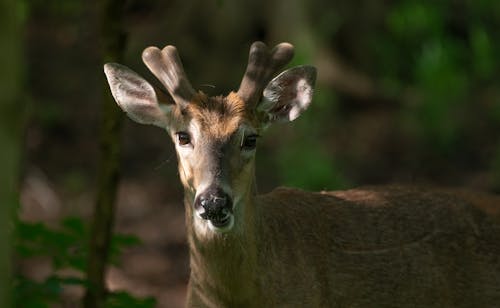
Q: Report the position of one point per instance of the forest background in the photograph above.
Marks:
(407, 92)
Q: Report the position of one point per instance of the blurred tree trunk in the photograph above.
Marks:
(11, 130)
(113, 42)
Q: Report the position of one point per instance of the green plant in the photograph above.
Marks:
(67, 248)
(442, 59)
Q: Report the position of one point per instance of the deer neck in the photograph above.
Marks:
(224, 263)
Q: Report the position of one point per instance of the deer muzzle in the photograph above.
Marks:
(216, 206)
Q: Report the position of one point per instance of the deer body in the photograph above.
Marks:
(372, 247)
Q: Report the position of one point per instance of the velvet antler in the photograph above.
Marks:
(262, 65)
(167, 67)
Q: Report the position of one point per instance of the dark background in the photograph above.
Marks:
(407, 92)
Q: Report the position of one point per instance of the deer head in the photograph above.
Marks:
(215, 137)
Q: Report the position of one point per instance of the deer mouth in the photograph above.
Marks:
(219, 221)
(221, 225)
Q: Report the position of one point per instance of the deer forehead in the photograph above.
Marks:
(218, 117)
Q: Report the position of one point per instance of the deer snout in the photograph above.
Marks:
(214, 205)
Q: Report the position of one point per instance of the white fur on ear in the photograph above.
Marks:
(135, 95)
(288, 94)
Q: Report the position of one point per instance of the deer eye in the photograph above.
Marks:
(183, 138)
(249, 142)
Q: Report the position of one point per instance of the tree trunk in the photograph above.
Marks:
(113, 42)
(11, 130)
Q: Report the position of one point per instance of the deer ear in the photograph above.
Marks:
(136, 96)
(288, 94)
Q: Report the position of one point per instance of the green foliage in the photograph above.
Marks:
(124, 299)
(28, 293)
(309, 167)
(67, 248)
(482, 52)
(118, 243)
(436, 58)
(441, 61)
(443, 85)
(305, 161)
(412, 19)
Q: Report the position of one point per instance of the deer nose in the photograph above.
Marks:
(214, 205)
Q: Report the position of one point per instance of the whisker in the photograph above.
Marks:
(163, 163)
(207, 85)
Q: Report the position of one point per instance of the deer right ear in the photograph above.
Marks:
(136, 96)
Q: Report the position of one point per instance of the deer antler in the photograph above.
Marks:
(167, 67)
(262, 65)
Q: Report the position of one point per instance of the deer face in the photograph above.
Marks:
(215, 142)
(215, 137)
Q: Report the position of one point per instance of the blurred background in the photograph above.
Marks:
(408, 92)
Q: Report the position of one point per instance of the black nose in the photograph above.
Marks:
(214, 204)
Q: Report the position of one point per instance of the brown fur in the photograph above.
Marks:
(219, 116)
(372, 247)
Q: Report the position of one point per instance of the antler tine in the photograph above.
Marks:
(262, 65)
(166, 65)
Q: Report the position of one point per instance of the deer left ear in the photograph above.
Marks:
(288, 94)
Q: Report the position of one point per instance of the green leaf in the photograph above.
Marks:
(28, 293)
(75, 226)
(414, 18)
(119, 242)
(482, 52)
(124, 299)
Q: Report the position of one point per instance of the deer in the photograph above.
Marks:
(374, 246)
